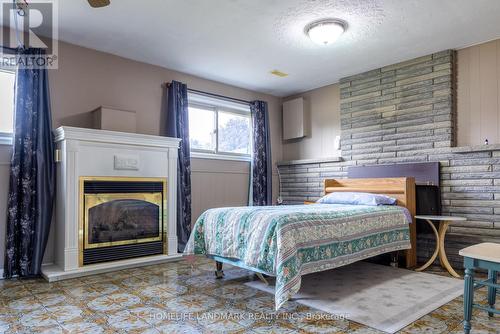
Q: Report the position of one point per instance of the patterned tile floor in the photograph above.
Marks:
(175, 298)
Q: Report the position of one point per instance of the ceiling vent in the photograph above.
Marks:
(278, 73)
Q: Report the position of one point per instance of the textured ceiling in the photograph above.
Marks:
(239, 41)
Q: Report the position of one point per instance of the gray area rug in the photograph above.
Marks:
(381, 297)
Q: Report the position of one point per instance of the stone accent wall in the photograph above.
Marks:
(406, 113)
(390, 113)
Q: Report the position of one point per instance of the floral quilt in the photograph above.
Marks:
(290, 241)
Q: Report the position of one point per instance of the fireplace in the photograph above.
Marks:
(129, 181)
(121, 218)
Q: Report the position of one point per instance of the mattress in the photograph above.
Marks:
(291, 241)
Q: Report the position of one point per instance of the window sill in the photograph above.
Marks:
(5, 140)
(200, 155)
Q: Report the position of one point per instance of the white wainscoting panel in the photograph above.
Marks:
(218, 183)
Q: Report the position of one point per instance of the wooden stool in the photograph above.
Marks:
(482, 256)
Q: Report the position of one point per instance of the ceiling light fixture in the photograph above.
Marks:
(99, 3)
(325, 31)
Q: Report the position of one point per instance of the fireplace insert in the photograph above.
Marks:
(121, 218)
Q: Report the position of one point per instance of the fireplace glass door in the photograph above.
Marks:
(122, 219)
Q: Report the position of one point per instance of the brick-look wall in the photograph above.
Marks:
(394, 113)
(406, 113)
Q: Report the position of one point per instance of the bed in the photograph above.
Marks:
(290, 241)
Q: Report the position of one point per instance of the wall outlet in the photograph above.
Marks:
(126, 162)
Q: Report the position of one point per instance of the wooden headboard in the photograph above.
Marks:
(401, 188)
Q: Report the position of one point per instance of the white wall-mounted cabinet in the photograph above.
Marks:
(294, 119)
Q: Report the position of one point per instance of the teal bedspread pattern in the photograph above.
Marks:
(290, 241)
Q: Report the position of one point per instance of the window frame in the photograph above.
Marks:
(6, 138)
(220, 105)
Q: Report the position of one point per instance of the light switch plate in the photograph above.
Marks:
(126, 162)
(336, 143)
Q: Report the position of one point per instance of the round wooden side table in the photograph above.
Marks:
(444, 222)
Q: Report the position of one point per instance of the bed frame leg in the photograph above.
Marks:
(218, 272)
(262, 278)
(395, 259)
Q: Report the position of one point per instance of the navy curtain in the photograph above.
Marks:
(178, 127)
(261, 185)
(32, 174)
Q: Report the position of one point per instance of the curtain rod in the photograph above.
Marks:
(215, 95)
(9, 49)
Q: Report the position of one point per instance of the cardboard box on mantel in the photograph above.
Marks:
(109, 118)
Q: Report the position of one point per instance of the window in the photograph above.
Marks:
(219, 128)
(7, 80)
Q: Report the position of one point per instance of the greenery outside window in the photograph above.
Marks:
(219, 129)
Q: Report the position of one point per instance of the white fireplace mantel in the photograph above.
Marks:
(89, 152)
